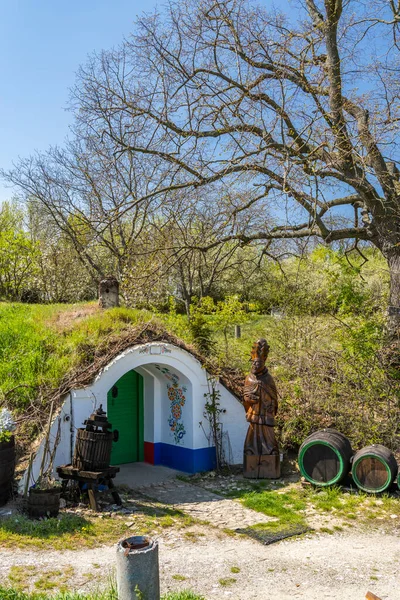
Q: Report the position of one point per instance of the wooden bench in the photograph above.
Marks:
(92, 480)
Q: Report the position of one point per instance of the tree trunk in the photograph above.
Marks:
(387, 239)
(393, 258)
(187, 299)
(187, 306)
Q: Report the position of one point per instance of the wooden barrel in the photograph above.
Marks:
(374, 469)
(92, 450)
(44, 503)
(324, 457)
(7, 466)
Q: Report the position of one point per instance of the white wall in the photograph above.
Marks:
(150, 393)
(62, 424)
(234, 424)
(143, 358)
(162, 404)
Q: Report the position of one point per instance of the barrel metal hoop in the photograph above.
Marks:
(357, 481)
(310, 479)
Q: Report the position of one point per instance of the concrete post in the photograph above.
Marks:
(238, 332)
(109, 292)
(138, 576)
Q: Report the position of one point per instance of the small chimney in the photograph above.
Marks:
(109, 292)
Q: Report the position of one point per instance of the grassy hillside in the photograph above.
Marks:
(329, 371)
(41, 344)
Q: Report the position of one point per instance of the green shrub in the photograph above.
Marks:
(200, 331)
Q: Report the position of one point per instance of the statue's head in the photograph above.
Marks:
(259, 353)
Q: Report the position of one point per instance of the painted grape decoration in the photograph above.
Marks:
(177, 398)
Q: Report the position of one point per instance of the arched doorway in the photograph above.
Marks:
(152, 409)
(170, 427)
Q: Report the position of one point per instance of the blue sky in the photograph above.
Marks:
(42, 44)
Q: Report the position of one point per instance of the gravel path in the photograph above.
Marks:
(343, 566)
(204, 558)
(204, 505)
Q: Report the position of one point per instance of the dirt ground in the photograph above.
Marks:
(217, 562)
(67, 318)
(343, 566)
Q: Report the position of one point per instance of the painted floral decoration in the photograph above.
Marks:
(177, 398)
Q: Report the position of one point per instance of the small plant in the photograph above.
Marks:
(16, 594)
(138, 592)
(227, 581)
(7, 425)
(46, 483)
(212, 413)
(326, 530)
(183, 595)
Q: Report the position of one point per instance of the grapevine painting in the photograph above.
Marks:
(177, 399)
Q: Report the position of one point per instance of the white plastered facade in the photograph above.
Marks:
(155, 362)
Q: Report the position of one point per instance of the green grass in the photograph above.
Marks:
(73, 532)
(69, 532)
(40, 343)
(326, 530)
(14, 594)
(316, 362)
(110, 594)
(287, 505)
(359, 506)
(184, 595)
(284, 508)
(227, 581)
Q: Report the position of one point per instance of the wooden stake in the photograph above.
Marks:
(28, 475)
(46, 442)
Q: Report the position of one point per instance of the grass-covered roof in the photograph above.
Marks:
(47, 350)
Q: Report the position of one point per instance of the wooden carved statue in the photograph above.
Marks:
(261, 452)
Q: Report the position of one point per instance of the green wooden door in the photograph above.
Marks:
(125, 413)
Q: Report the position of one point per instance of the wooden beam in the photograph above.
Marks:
(92, 498)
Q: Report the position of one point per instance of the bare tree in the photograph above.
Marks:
(168, 259)
(194, 272)
(302, 109)
(100, 202)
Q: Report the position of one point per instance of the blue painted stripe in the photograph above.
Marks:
(184, 459)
